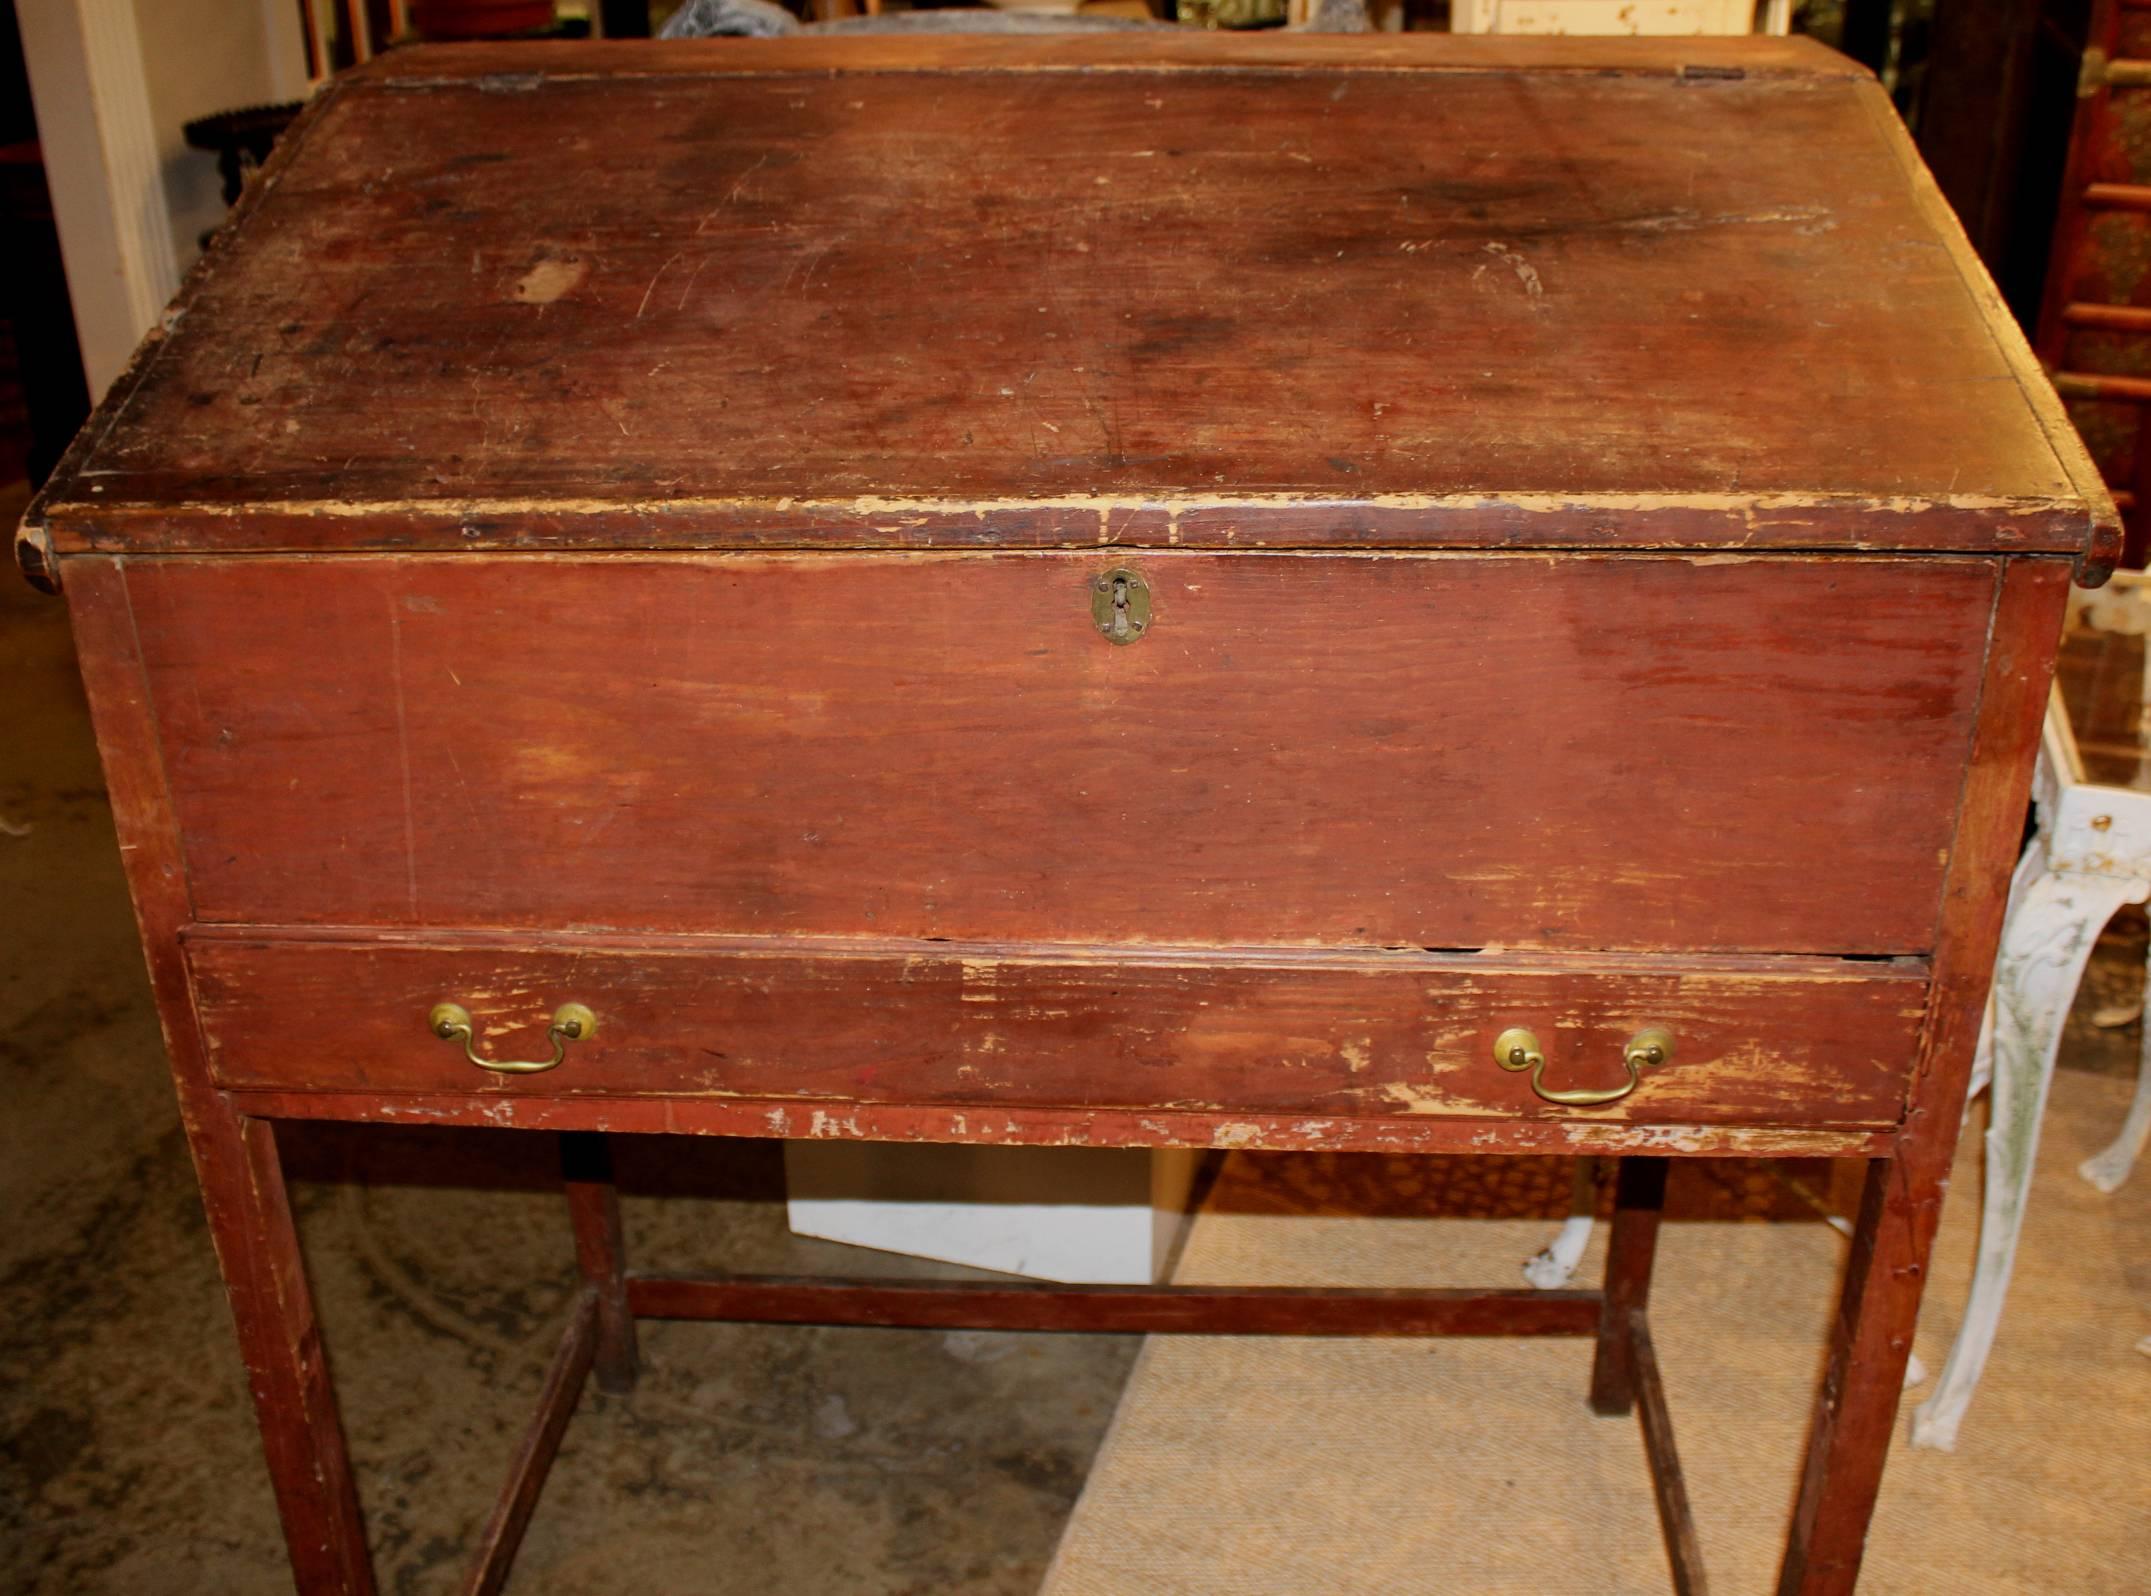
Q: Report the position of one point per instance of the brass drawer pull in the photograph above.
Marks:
(451, 1022)
(1518, 1049)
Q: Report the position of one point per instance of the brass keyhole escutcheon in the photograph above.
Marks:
(1120, 605)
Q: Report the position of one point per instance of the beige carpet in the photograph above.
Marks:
(1270, 1467)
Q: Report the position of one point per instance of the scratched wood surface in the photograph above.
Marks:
(892, 844)
(235, 1157)
(1901, 1205)
(730, 296)
(1414, 751)
(1013, 1125)
(1808, 1042)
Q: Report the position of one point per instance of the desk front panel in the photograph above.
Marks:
(1679, 754)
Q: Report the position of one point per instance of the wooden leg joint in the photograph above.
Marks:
(601, 1255)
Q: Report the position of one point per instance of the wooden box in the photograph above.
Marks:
(1115, 592)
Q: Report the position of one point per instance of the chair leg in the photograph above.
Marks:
(2107, 1170)
(601, 1254)
(2053, 923)
(1631, 1247)
(1552, 1268)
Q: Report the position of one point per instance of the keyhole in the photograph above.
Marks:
(1120, 605)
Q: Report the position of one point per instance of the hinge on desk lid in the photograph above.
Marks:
(1717, 74)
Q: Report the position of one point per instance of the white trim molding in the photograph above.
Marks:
(94, 123)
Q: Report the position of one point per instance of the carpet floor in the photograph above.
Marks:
(1271, 1467)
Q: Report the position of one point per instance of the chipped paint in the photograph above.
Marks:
(1455, 1130)
(1526, 273)
(1414, 1101)
(978, 978)
(1173, 506)
(552, 277)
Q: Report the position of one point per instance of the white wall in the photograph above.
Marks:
(113, 82)
(201, 56)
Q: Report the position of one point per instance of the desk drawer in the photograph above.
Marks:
(1413, 751)
(1760, 1042)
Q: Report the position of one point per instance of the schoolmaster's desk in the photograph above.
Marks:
(1444, 596)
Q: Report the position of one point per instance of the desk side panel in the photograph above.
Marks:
(235, 1159)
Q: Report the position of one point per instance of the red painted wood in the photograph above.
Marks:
(1684, 1549)
(235, 1157)
(471, 19)
(831, 303)
(1038, 1305)
(2102, 547)
(1794, 58)
(1397, 1036)
(601, 1255)
(1651, 753)
(1631, 1247)
(1065, 1127)
(1902, 1202)
(811, 304)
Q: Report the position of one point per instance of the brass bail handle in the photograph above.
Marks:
(451, 1022)
(1518, 1049)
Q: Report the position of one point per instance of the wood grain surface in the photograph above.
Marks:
(1066, 1127)
(1137, 1310)
(894, 844)
(1794, 57)
(1418, 752)
(1759, 1042)
(1322, 297)
(235, 1157)
(1901, 1203)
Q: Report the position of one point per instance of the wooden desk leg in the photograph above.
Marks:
(601, 1253)
(294, 1403)
(1901, 1206)
(1869, 1345)
(1631, 1246)
(235, 1158)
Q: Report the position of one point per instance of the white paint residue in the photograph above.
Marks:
(833, 1420)
(1526, 273)
(552, 277)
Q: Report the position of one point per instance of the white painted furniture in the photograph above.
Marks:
(2092, 854)
(1106, 1216)
(1620, 16)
